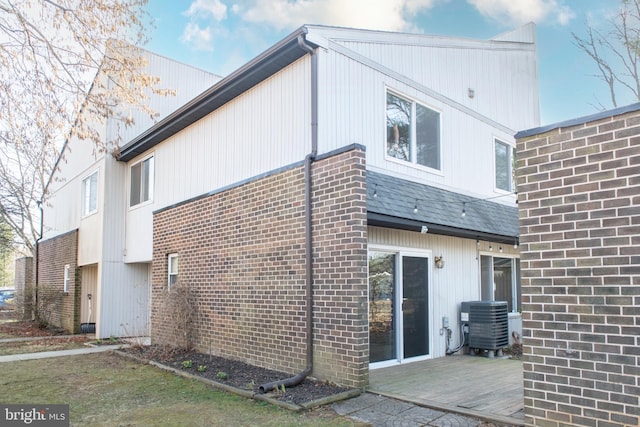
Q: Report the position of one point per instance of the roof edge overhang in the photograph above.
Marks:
(578, 120)
(388, 221)
(244, 78)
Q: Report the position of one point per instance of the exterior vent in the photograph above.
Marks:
(488, 325)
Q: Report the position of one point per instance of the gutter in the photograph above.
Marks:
(244, 78)
(309, 159)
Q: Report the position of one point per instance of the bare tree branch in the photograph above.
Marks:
(615, 52)
(66, 66)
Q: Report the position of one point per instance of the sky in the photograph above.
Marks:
(219, 36)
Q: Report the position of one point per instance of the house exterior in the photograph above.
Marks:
(83, 266)
(331, 203)
(578, 185)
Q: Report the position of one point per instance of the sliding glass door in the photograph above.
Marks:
(415, 315)
(398, 306)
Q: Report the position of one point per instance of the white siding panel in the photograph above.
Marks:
(90, 239)
(62, 209)
(114, 211)
(139, 238)
(185, 80)
(503, 75)
(264, 129)
(458, 281)
(124, 300)
(352, 110)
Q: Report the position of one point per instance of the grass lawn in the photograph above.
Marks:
(105, 389)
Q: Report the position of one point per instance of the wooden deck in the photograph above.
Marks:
(489, 389)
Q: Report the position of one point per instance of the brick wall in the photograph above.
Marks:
(61, 308)
(23, 284)
(579, 200)
(242, 254)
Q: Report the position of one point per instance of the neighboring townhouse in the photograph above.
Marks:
(331, 203)
(83, 258)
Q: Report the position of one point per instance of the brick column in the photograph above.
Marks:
(579, 200)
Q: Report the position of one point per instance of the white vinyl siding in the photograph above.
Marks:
(90, 194)
(141, 182)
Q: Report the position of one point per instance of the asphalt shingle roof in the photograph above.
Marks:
(392, 200)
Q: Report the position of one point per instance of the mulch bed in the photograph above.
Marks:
(235, 374)
(29, 328)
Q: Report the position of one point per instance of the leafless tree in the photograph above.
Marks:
(615, 51)
(66, 66)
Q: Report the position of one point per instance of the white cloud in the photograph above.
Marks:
(204, 8)
(199, 38)
(203, 15)
(391, 15)
(522, 11)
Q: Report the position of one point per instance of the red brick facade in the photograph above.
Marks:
(242, 253)
(53, 255)
(579, 192)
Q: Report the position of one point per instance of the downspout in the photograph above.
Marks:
(308, 160)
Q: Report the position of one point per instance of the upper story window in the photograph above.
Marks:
(141, 181)
(90, 194)
(413, 132)
(505, 166)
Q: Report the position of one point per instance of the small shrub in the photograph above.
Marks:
(222, 375)
(202, 368)
(187, 364)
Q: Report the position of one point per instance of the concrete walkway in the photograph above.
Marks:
(57, 353)
(381, 411)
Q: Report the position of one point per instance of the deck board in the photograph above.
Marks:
(472, 385)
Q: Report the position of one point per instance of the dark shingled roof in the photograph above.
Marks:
(391, 202)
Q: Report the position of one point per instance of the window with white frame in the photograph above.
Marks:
(90, 194)
(413, 131)
(505, 155)
(172, 270)
(500, 279)
(67, 278)
(141, 181)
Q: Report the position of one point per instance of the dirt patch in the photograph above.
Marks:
(27, 328)
(514, 351)
(236, 374)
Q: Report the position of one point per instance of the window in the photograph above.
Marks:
(500, 279)
(173, 270)
(67, 278)
(90, 194)
(413, 132)
(141, 181)
(505, 162)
